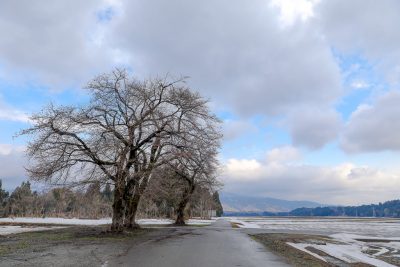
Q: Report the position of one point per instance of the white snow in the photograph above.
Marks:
(381, 252)
(362, 226)
(55, 221)
(349, 253)
(154, 221)
(349, 248)
(302, 247)
(11, 229)
(243, 223)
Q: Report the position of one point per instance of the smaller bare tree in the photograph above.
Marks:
(196, 163)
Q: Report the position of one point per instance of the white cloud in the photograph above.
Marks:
(11, 114)
(8, 149)
(359, 84)
(51, 42)
(242, 168)
(233, 51)
(283, 154)
(344, 184)
(235, 128)
(291, 11)
(12, 160)
(313, 127)
(374, 127)
(365, 27)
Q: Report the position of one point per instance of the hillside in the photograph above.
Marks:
(249, 205)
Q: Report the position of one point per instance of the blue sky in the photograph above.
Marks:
(307, 93)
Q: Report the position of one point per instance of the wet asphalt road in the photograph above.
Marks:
(209, 246)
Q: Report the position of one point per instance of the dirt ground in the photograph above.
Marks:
(71, 246)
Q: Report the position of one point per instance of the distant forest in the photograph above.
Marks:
(95, 201)
(386, 209)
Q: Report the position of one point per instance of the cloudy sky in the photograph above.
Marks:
(308, 90)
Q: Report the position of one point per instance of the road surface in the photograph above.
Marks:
(214, 245)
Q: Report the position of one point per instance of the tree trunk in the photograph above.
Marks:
(129, 194)
(118, 209)
(133, 200)
(180, 211)
(131, 209)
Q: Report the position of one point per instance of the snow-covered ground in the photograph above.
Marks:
(6, 229)
(55, 221)
(353, 248)
(351, 239)
(362, 226)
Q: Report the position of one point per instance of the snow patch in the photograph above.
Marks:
(56, 221)
(10, 229)
(243, 224)
(302, 247)
(349, 248)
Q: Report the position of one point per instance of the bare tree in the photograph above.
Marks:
(119, 137)
(162, 194)
(197, 162)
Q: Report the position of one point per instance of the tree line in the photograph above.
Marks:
(386, 209)
(94, 202)
(133, 135)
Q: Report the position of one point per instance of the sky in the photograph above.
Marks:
(308, 90)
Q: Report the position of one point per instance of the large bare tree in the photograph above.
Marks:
(125, 132)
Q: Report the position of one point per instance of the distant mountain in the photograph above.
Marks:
(235, 204)
(386, 209)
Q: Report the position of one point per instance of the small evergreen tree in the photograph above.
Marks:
(218, 206)
(107, 193)
(21, 200)
(3, 200)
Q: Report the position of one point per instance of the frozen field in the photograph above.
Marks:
(369, 240)
(328, 226)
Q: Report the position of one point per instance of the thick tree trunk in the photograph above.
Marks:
(133, 200)
(180, 212)
(129, 199)
(131, 210)
(118, 210)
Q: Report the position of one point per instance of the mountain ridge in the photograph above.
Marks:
(236, 203)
